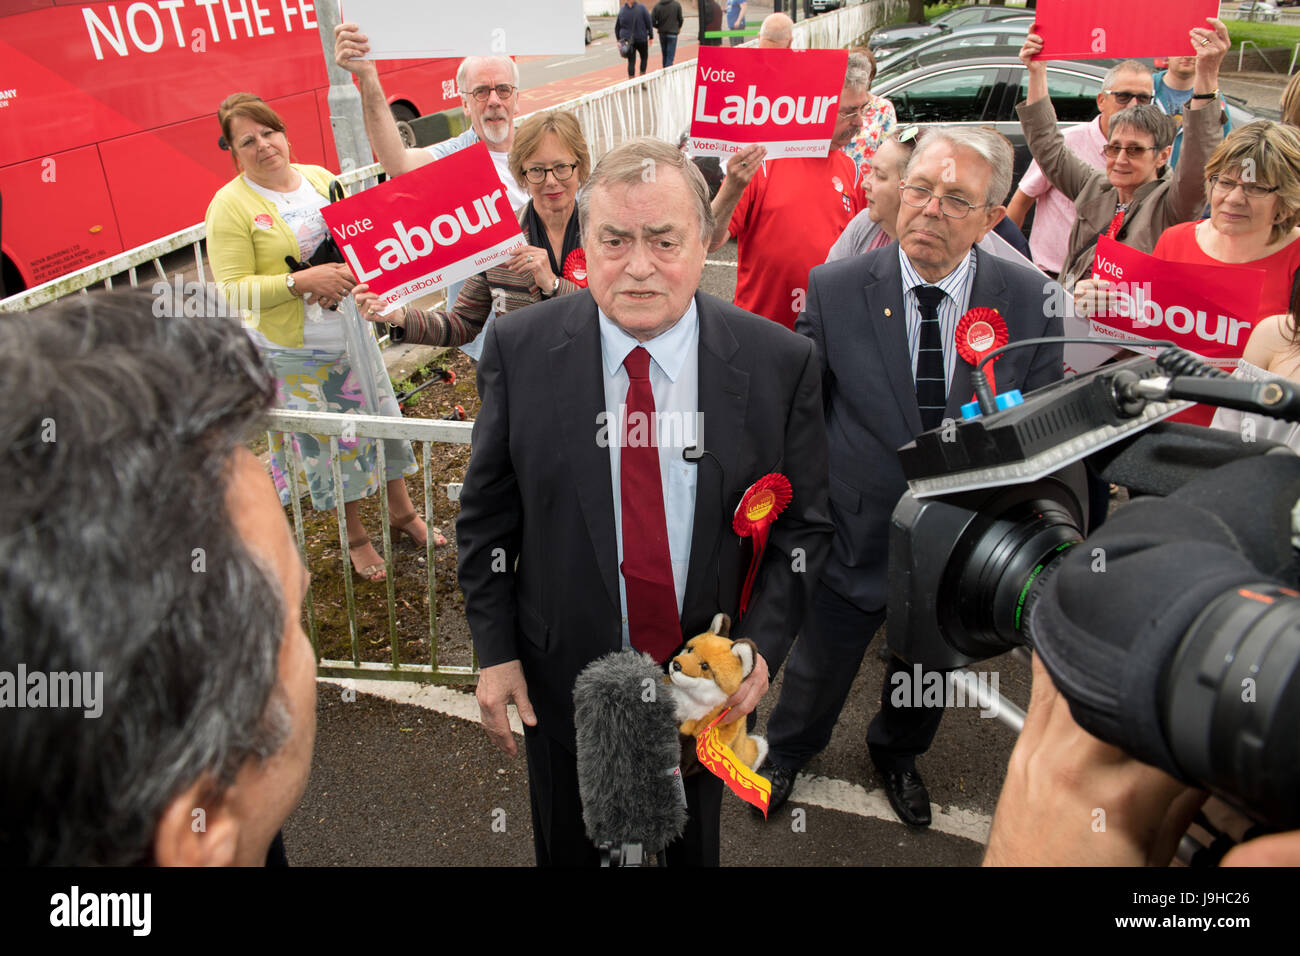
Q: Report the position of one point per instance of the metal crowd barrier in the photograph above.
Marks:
(280, 423)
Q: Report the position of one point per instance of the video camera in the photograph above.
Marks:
(997, 501)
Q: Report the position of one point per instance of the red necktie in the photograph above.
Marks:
(1113, 229)
(652, 620)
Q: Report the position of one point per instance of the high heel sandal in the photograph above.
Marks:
(371, 572)
(402, 525)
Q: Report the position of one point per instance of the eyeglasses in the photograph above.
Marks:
(954, 207)
(861, 112)
(562, 171)
(1133, 152)
(503, 91)
(1124, 97)
(1252, 190)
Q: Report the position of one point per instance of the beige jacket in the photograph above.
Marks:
(1169, 200)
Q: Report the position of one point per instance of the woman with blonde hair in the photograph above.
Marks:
(1253, 180)
(550, 159)
(1291, 102)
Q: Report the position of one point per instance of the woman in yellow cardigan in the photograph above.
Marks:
(269, 211)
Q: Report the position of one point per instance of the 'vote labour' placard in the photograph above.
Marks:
(1208, 310)
(1115, 29)
(786, 100)
(426, 229)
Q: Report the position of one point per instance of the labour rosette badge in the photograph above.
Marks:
(575, 268)
(759, 506)
(979, 332)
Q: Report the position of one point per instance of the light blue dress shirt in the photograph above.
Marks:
(674, 380)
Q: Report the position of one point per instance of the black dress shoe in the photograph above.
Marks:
(907, 795)
(782, 781)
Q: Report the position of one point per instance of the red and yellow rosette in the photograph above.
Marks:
(759, 506)
(980, 331)
(721, 761)
(575, 268)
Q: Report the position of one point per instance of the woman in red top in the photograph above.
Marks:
(1253, 181)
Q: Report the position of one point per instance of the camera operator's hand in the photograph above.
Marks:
(1060, 776)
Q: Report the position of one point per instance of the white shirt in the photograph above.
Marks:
(300, 209)
(516, 193)
(674, 380)
(957, 285)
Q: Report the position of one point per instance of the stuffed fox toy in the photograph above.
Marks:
(704, 676)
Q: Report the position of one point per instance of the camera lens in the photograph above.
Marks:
(995, 566)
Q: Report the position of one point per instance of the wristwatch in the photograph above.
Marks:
(554, 289)
(290, 284)
(1206, 96)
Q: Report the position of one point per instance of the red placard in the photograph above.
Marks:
(1088, 29)
(786, 100)
(427, 228)
(1197, 307)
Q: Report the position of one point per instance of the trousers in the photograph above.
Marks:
(668, 47)
(637, 48)
(817, 678)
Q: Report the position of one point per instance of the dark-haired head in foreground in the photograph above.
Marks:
(143, 550)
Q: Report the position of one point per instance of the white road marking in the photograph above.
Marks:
(721, 262)
(576, 59)
(825, 792)
(852, 798)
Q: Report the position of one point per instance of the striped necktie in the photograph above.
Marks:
(931, 384)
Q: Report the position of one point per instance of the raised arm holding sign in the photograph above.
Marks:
(1135, 198)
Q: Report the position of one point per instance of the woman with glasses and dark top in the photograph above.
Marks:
(1136, 198)
(550, 159)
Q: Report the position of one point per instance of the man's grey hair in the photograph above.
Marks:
(467, 64)
(990, 145)
(777, 29)
(1146, 119)
(642, 160)
(859, 73)
(117, 428)
(1127, 66)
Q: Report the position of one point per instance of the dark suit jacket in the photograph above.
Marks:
(854, 315)
(538, 491)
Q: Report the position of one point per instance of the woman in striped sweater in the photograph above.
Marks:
(550, 159)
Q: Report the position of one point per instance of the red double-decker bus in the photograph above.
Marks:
(108, 130)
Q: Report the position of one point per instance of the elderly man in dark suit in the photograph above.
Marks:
(577, 537)
(884, 325)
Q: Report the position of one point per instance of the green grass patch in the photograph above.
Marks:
(1265, 34)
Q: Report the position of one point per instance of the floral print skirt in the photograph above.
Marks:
(316, 381)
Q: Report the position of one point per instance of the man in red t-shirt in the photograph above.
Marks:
(786, 214)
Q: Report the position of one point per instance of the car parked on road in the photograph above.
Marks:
(1257, 10)
(891, 38)
(998, 38)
